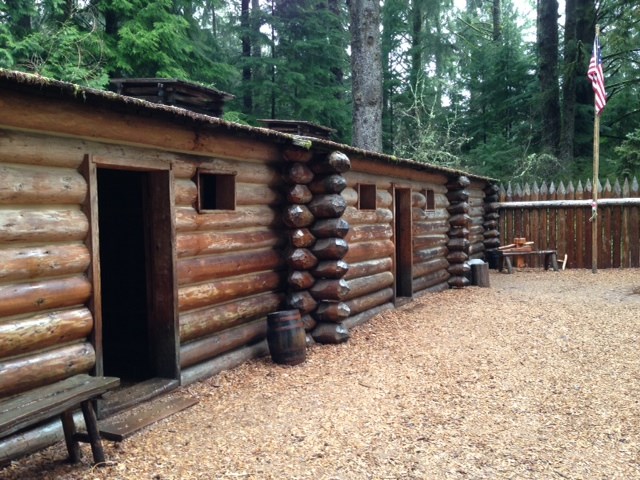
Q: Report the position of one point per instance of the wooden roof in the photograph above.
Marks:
(171, 91)
(41, 86)
(299, 127)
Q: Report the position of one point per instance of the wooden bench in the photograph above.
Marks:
(60, 398)
(550, 259)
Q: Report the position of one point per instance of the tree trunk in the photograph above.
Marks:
(567, 133)
(497, 20)
(366, 68)
(247, 99)
(548, 74)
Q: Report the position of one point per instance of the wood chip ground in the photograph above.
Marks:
(537, 377)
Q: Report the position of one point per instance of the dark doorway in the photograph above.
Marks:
(123, 272)
(404, 243)
(137, 265)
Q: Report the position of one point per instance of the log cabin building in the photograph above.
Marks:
(149, 242)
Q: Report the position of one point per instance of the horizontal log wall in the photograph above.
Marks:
(476, 226)
(553, 218)
(230, 268)
(371, 240)
(44, 322)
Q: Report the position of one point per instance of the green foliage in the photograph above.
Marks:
(629, 153)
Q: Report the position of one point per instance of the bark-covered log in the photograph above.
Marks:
(24, 263)
(188, 220)
(430, 266)
(366, 233)
(350, 196)
(330, 333)
(330, 227)
(429, 254)
(492, 188)
(185, 191)
(216, 344)
(458, 232)
(459, 269)
(366, 302)
(297, 216)
(492, 216)
(480, 275)
(330, 269)
(418, 200)
(303, 301)
(200, 323)
(330, 248)
(248, 194)
(492, 198)
(461, 220)
(301, 238)
(429, 281)
(43, 185)
(476, 248)
(219, 291)
(456, 244)
(328, 184)
(308, 322)
(491, 243)
(365, 285)
(299, 194)
(361, 251)
(22, 373)
(327, 206)
(455, 208)
(369, 267)
(370, 217)
(335, 162)
(455, 196)
(46, 225)
(490, 224)
(301, 259)
(211, 242)
(428, 228)
(294, 154)
(363, 317)
(457, 257)
(459, 183)
(44, 330)
(200, 269)
(491, 234)
(330, 289)
(298, 173)
(300, 280)
(43, 295)
(383, 199)
(333, 312)
(458, 282)
(430, 241)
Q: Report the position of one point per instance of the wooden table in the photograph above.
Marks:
(550, 259)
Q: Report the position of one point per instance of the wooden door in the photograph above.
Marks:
(403, 243)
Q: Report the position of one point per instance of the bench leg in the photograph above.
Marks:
(69, 429)
(507, 261)
(92, 430)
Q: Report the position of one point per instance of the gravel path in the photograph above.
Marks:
(536, 377)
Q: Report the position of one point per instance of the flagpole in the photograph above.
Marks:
(594, 203)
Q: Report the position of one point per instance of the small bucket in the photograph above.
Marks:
(286, 337)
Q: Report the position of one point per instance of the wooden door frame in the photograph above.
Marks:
(160, 262)
(403, 242)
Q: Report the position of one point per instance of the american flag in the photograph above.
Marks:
(597, 77)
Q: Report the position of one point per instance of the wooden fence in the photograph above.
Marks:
(558, 218)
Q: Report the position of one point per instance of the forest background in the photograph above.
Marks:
(480, 86)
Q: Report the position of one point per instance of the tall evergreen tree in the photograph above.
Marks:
(366, 71)
(548, 75)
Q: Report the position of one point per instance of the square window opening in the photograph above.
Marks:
(366, 197)
(216, 191)
(430, 204)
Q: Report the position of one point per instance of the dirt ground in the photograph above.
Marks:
(537, 377)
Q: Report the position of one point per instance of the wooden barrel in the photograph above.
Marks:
(286, 337)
